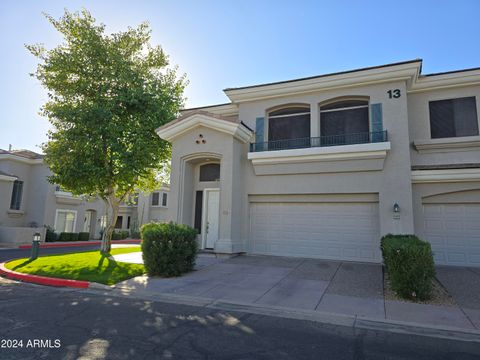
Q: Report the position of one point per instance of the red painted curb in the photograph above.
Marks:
(42, 280)
(81, 243)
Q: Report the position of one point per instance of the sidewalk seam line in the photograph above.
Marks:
(326, 289)
(278, 282)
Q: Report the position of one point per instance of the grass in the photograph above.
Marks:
(86, 265)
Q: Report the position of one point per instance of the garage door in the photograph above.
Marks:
(454, 232)
(341, 231)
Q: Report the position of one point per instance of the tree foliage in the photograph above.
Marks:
(106, 96)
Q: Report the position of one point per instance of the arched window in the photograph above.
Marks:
(210, 172)
(289, 123)
(345, 120)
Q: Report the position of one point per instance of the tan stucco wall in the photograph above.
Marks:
(419, 126)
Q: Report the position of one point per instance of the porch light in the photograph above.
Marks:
(396, 208)
(36, 236)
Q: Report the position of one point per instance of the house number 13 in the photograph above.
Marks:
(394, 94)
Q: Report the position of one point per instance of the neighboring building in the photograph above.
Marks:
(28, 202)
(324, 166)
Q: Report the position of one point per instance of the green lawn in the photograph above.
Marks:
(87, 265)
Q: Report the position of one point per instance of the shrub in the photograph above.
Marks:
(83, 236)
(119, 235)
(410, 267)
(168, 249)
(68, 236)
(50, 234)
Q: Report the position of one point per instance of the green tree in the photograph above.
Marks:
(106, 96)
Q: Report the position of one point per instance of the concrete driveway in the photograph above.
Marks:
(322, 285)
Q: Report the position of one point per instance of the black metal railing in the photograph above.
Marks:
(328, 140)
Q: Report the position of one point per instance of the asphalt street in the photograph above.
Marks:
(57, 323)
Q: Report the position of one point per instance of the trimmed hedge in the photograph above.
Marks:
(50, 235)
(83, 236)
(168, 249)
(68, 236)
(410, 266)
(120, 235)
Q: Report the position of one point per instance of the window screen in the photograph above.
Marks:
(453, 118)
(342, 122)
(164, 199)
(291, 123)
(16, 199)
(155, 199)
(210, 172)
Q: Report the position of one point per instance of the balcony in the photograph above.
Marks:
(325, 154)
(322, 141)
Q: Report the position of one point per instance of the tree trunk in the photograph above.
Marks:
(111, 212)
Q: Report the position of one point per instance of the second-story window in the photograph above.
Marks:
(164, 199)
(344, 118)
(289, 123)
(16, 200)
(155, 199)
(453, 118)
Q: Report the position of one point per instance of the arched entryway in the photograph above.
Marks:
(201, 197)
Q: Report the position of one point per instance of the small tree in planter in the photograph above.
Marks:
(168, 249)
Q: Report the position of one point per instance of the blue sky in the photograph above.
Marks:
(221, 44)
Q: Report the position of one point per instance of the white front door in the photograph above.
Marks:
(211, 217)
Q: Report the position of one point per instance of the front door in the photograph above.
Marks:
(211, 217)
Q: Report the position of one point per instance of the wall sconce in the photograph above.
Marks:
(396, 208)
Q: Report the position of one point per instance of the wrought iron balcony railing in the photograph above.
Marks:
(329, 140)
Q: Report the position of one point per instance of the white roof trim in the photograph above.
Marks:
(447, 175)
(20, 159)
(237, 130)
(444, 81)
(401, 72)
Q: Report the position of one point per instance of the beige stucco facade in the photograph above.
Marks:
(422, 176)
(41, 203)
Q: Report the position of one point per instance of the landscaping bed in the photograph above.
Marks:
(440, 295)
(87, 266)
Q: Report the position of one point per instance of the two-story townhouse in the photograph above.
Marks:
(28, 202)
(324, 166)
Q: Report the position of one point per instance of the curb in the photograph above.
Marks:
(42, 280)
(353, 322)
(80, 243)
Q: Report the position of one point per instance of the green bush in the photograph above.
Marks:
(120, 235)
(83, 236)
(410, 266)
(68, 236)
(50, 234)
(168, 249)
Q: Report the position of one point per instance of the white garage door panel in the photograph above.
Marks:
(347, 231)
(454, 232)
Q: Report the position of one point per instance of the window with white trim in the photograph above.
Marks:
(16, 200)
(65, 220)
(159, 198)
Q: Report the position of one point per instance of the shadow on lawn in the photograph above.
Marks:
(111, 262)
(23, 264)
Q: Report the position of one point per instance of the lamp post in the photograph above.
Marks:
(35, 245)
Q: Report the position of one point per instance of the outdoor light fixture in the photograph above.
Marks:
(396, 208)
(35, 245)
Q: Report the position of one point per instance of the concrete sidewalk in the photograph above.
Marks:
(322, 286)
